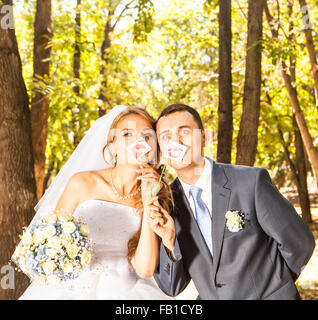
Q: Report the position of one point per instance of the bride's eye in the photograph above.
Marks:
(127, 134)
(147, 136)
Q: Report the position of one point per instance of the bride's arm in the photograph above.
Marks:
(147, 252)
(156, 223)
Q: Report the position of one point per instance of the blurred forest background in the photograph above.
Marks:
(248, 66)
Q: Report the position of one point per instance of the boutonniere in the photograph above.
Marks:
(235, 220)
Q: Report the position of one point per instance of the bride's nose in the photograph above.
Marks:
(141, 138)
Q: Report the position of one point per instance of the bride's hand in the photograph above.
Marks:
(148, 175)
(161, 222)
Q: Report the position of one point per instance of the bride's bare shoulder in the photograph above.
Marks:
(76, 189)
(83, 178)
(90, 178)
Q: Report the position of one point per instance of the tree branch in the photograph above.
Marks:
(122, 12)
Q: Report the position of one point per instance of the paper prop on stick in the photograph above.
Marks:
(175, 151)
(139, 148)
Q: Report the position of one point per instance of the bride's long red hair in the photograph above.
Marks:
(165, 193)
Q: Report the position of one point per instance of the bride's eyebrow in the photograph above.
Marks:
(126, 129)
(148, 129)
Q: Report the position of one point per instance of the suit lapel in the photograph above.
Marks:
(220, 200)
(189, 224)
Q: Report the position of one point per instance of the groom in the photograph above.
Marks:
(235, 235)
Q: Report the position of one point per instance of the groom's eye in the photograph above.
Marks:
(166, 136)
(184, 132)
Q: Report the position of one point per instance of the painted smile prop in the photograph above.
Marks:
(175, 151)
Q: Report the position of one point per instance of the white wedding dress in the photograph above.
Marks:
(108, 276)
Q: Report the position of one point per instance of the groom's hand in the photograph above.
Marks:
(161, 223)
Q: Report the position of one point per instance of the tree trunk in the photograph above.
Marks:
(247, 137)
(299, 172)
(300, 162)
(301, 122)
(302, 175)
(310, 45)
(292, 95)
(110, 25)
(76, 70)
(299, 168)
(225, 110)
(17, 182)
(39, 103)
(105, 59)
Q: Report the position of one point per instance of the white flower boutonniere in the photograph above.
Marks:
(235, 220)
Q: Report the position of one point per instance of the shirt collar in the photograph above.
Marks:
(203, 181)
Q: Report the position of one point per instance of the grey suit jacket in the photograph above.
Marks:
(261, 261)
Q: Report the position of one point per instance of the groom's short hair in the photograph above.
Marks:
(181, 107)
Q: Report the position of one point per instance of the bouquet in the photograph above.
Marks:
(54, 249)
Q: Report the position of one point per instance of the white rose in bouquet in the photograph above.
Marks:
(54, 249)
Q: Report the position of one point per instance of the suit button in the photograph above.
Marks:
(220, 285)
(167, 269)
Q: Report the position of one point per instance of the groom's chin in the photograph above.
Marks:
(178, 165)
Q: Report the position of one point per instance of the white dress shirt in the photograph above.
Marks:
(204, 182)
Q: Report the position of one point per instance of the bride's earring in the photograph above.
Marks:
(114, 159)
(107, 154)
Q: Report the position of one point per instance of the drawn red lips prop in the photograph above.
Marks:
(138, 149)
(174, 152)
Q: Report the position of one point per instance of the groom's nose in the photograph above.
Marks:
(178, 138)
(175, 137)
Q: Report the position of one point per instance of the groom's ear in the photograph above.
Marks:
(207, 137)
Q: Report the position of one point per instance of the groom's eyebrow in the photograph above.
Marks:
(185, 126)
(164, 131)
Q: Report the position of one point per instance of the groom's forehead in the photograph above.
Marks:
(179, 119)
(175, 128)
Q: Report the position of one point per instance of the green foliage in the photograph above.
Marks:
(279, 114)
(144, 21)
(164, 52)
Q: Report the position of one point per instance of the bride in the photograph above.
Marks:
(106, 182)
